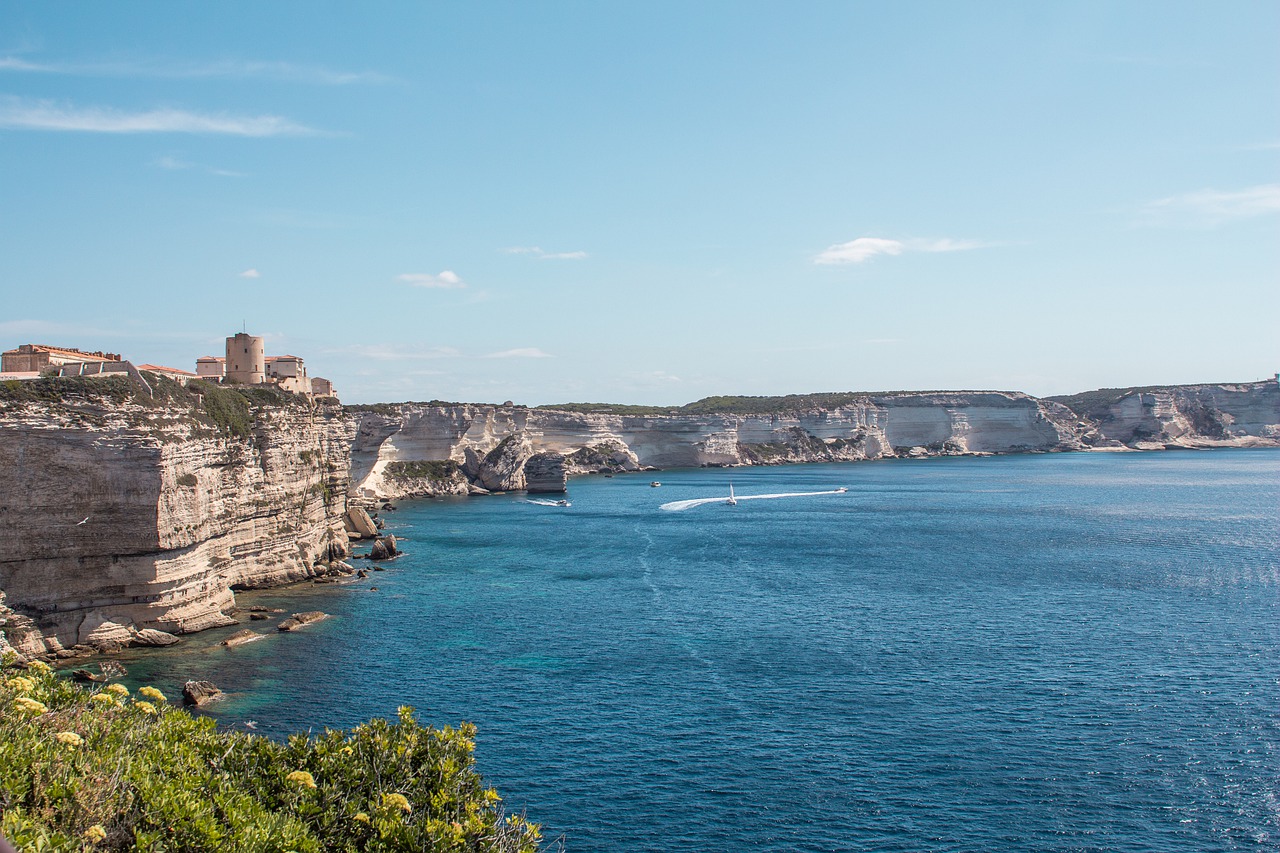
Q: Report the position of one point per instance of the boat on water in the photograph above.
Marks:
(732, 500)
(563, 502)
(655, 484)
(842, 489)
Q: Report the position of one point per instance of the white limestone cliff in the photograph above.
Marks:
(874, 427)
(120, 517)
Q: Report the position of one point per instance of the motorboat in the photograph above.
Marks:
(655, 484)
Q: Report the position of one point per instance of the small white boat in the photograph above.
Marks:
(842, 489)
(732, 500)
(655, 484)
(563, 502)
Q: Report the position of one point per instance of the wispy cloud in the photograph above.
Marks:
(448, 279)
(536, 252)
(26, 114)
(865, 248)
(520, 352)
(217, 69)
(250, 273)
(1213, 207)
(173, 164)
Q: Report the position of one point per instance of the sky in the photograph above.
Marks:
(650, 202)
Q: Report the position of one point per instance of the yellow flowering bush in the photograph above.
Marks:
(396, 801)
(303, 778)
(169, 780)
(69, 738)
(39, 667)
(21, 684)
(118, 689)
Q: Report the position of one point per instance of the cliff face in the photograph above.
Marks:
(120, 516)
(493, 443)
(1235, 415)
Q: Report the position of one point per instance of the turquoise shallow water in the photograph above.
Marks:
(1065, 652)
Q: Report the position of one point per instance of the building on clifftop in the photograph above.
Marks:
(246, 363)
(36, 358)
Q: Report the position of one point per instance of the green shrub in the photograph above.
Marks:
(92, 769)
(430, 469)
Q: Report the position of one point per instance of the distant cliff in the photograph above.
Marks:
(1228, 415)
(494, 447)
(123, 513)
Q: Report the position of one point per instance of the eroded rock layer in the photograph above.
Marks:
(120, 517)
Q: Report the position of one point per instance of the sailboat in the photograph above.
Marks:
(732, 500)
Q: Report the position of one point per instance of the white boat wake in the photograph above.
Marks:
(681, 506)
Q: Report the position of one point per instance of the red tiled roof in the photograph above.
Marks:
(156, 368)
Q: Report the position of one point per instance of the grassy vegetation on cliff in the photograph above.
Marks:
(1095, 404)
(115, 388)
(724, 405)
(427, 469)
(103, 770)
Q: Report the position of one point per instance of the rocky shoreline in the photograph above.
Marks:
(131, 520)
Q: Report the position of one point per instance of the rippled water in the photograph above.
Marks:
(1066, 652)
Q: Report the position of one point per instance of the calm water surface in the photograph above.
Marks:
(1066, 652)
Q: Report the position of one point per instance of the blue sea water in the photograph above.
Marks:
(1062, 652)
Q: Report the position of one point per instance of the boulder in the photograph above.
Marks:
(358, 522)
(256, 617)
(84, 675)
(298, 620)
(384, 548)
(200, 693)
(152, 637)
(239, 638)
(103, 635)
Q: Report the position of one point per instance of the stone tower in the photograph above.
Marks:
(246, 360)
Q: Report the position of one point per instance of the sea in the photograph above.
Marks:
(1062, 652)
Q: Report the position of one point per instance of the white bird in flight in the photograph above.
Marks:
(78, 523)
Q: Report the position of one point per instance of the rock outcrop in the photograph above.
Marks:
(546, 473)
(299, 620)
(200, 693)
(123, 514)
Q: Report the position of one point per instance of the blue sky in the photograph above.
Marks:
(650, 203)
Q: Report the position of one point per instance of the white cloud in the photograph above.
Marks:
(859, 250)
(227, 68)
(865, 248)
(26, 114)
(447, 279)
(520, 352)
(1213, 207)
(173, 164)
(538, 253)
(250, 273)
